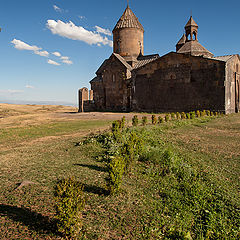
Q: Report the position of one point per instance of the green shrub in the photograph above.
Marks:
(160, 120)
(203, 113)
(188, 115)
(183, 115)
(173, 116)
(211, 114)
(135, 120)
(123, 122)
(115, 126)
(154, 119)
(192, 115)
(208, 113)
(116, 130)
(115, 174)
(198, 114)
(167, 117)
(131, 150)
(144, 120)
(69, 204)
(178, 115)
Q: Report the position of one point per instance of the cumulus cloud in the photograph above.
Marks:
(71, 31)
(53, 62)
(103, 31)
(20, 45)
(29, 86)
(57, 54)
(42, 53)
(64, 58)
(56, 8)
(68, 62)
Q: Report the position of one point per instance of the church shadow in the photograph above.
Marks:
(33, 220)
(93, 167)
(95, 190)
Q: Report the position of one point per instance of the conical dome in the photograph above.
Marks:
(191, 22)
(128, 20)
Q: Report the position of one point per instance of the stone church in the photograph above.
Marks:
(191, 78)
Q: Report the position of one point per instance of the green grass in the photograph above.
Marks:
(209, 146)
(20, 134)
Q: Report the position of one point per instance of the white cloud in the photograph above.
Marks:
(64, 58)
(11, 91)
(57, 54)
(29, 86)
(68, 62)
(18, 44)
(71, 31)
(103, 31)
(53, 62)
(56, 8)
(42, 53)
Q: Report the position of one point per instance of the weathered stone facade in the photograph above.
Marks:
(189, 79)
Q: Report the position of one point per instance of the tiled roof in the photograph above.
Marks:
(195, 48)
(143, 60)
(224, 58)
(191, 22)
(182, 40)
(123, 61)
(128, 20)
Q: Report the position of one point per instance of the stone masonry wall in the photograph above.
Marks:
(179, 82)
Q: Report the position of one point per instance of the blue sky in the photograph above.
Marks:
(51, 48)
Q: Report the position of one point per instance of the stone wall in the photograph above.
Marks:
(179, 82)
(110, 93)
(232, 85)
(128, 42)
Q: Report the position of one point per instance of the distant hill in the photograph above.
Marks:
(38, 102)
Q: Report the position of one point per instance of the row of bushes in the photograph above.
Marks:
(174, 116)
(123, 148)
(186, 208)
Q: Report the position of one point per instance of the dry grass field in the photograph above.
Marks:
(38, 144)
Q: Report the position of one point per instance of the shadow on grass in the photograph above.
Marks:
(95, 189)
(35, 221)
(93, 167)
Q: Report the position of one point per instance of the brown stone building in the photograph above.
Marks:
(189, 79)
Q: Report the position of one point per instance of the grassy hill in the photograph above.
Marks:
(40, 144)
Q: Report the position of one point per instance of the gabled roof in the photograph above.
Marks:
(101, 68)
(123, 61)
(128, 20)
(191, 22)
(182, 40)
(224, 58)
(143, 60)
(195, 48)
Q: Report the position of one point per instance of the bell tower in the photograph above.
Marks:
(128, 36)
(191, 30)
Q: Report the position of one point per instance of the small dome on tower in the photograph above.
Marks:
(128, 20)
(191, 22)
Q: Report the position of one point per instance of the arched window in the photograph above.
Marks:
(195, 35)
